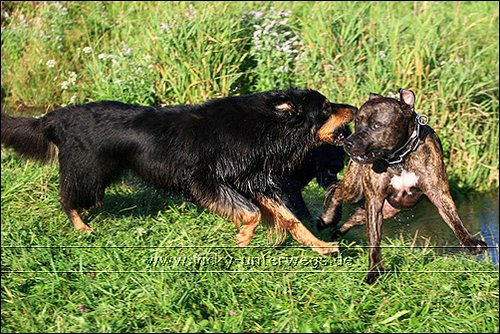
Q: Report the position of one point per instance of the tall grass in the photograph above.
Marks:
(180, 52)
(159, 53)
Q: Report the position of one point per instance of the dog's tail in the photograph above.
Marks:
(25, 136)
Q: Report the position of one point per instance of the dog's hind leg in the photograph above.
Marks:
(83, 179)
(230, 204)
(359, 217)
(78, 223)
(76, 195)
(282, 218)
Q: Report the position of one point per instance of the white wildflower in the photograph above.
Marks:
(191, 12)
(87, 50)
(71, 81)
(51, 63)
(72, 77)
(126, 50)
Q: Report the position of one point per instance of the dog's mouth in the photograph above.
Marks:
(366, 158)
(330, 131)
(338, 136)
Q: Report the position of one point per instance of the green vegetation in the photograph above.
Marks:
(157, 266)
(179, 52)
(159, 263)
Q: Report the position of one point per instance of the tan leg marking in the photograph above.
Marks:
(78, 223)
(246, 220)
(284, 220)
(246, 233)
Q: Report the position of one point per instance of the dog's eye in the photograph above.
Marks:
(377, 125)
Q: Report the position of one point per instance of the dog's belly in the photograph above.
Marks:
(404, 199)
(404, 190)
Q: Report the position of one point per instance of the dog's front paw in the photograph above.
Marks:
(475, 246)
(86, 229)
(327, 248)
(243, 239)
(321, 225)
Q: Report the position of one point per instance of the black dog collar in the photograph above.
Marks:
(411, 144)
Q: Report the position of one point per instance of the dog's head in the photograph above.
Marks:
(309, 107)
(380, 126)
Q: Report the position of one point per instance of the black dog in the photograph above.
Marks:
(229, 154)
(324, 162)
(395, 158)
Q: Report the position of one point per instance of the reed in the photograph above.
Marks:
(179, 52)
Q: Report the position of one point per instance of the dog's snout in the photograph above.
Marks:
(348, 144)
(346, 111)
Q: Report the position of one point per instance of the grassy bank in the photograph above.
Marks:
(159, 264)
(179, 52)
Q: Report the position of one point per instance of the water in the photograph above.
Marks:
(479, 213)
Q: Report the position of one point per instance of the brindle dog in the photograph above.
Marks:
(395, 158)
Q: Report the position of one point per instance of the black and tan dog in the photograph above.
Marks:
(230, 154)
(395, 158)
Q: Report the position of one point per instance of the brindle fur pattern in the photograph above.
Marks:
(365, 179)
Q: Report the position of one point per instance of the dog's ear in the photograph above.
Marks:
(407, 96)
(374, 96)
(282, 101)
(285, 106)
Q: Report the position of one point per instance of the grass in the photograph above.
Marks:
(159, 263)
(180, 52)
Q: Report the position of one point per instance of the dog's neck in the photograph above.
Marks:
(410, 145)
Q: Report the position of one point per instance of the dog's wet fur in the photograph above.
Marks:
(231, 155)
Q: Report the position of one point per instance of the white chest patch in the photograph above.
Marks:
(405, 181)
